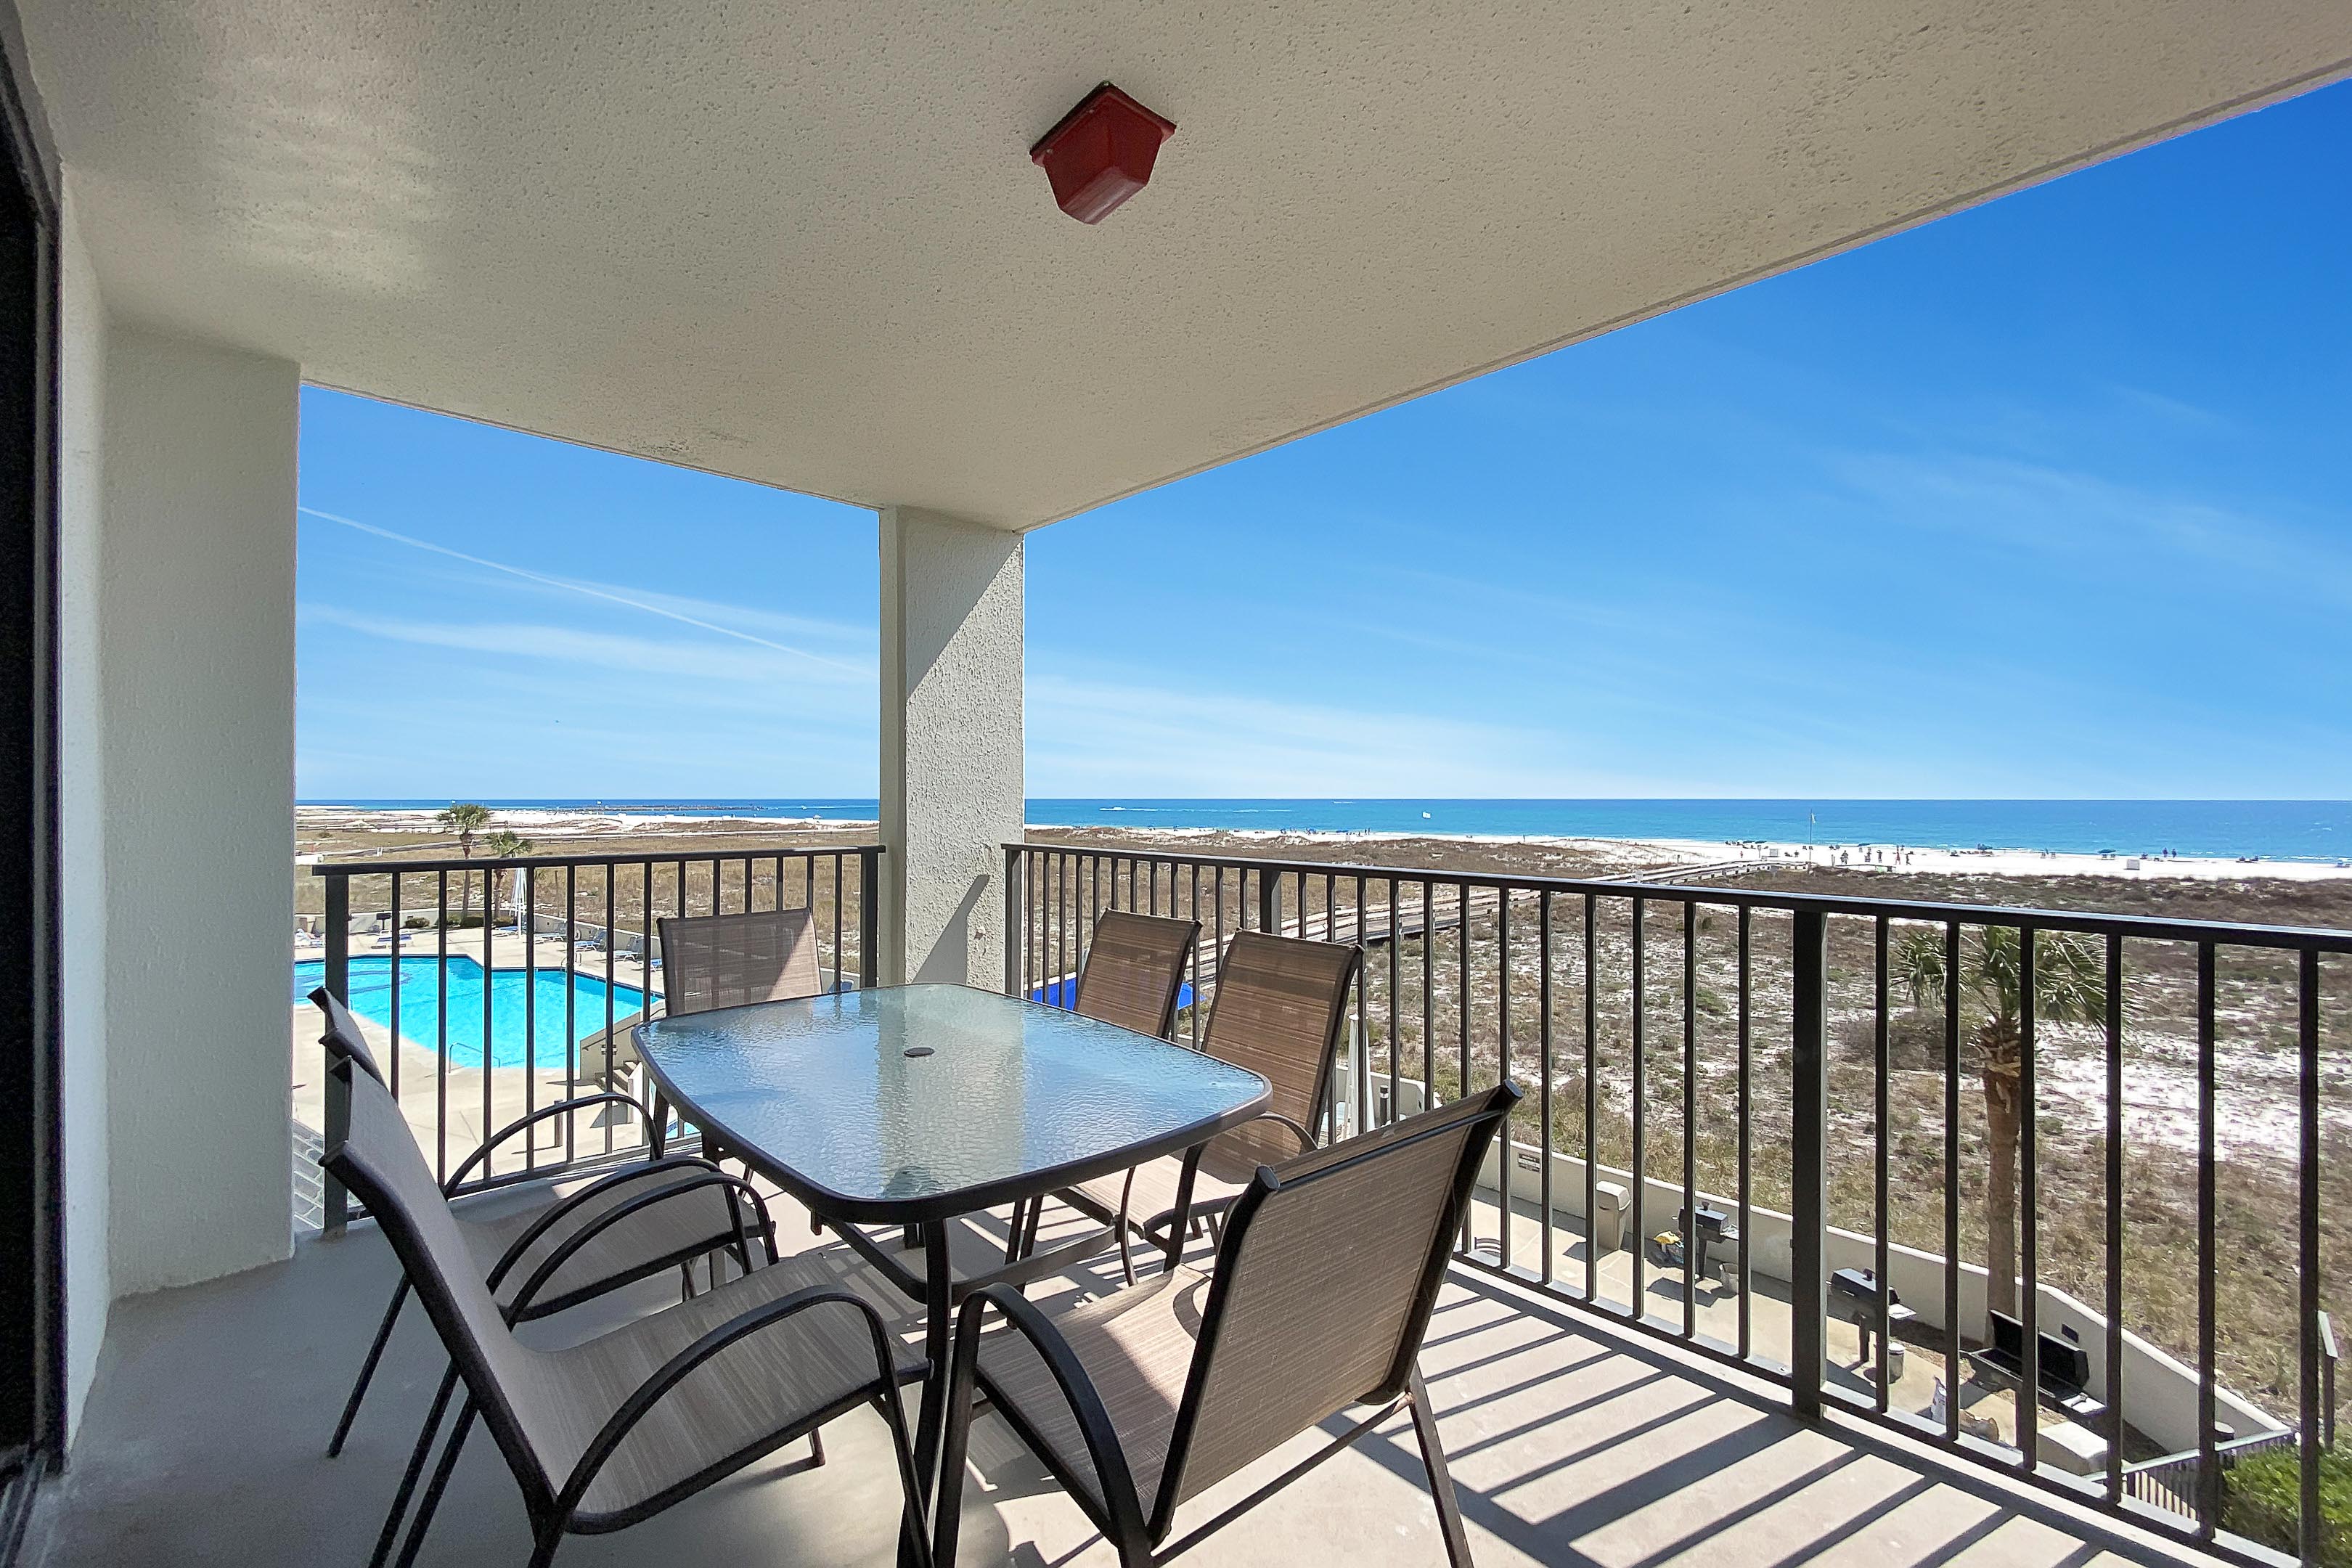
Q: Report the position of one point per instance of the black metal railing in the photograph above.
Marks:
(1789, 1084)
(432, 932)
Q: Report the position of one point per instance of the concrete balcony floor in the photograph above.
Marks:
(1573, 1443)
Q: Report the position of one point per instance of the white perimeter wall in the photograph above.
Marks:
(951, 775)
(2160, 1391)
(195, 620)
(81, 832)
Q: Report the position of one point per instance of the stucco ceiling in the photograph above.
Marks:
(803, 244)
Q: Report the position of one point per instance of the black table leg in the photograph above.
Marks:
(938, 1339)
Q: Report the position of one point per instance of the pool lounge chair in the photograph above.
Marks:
(699, 1218)
(1140, 1400)
(604, 1434)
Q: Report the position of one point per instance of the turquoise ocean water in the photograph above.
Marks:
(2317, 831)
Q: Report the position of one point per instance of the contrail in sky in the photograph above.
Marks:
(583, 588)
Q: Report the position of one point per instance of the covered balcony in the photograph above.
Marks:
(809, 251)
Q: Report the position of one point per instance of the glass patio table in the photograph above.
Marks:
(911, 1105)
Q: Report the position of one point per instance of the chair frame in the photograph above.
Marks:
(1178, 1221)
(554, 1510)
(1175, 982)
(361, 1059)
(667, 924)
(1121, 1516)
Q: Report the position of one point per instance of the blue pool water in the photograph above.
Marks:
(513, 995)
(1051, 994)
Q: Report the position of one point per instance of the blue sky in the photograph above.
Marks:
(2053, 498)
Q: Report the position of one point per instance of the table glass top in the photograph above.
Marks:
(916, 1092)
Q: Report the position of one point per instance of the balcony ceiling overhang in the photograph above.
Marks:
(803, 245)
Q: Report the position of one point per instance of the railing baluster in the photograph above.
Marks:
(2208, 1468)
(1641, 1178)
(1428, 996)
(1952, 1352)
(2311, 1524)
(1689, 1226)
(1591, 1111)
(1543, 1035)
(1013, 935)
(1360, 1088)
(489, 1057)
(571, 1000)
(1747, 1220)
(869, 916)
(335, 1213)
(2028, 1404)
(1808, 1162)
(441, 1030)
(1878, 1185)
(1509, 1152)
(1396, 1034)
(2114, 1216)
(395, 970)
(530, 1028)
(611, 1017)
(1462, 1019)
(1192, 1014)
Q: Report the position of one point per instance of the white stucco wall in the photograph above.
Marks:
(81, 848)
(951, 773)
(196, 683)
(2160, 1391)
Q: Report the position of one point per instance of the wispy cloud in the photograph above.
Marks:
(591, 653)
(663, 606)
(1108, 737)
(2112, 526)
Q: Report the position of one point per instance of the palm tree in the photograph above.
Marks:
(465, 819)
(507, 845)
(2069, 987)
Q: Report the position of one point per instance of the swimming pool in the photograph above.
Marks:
(421, 1001)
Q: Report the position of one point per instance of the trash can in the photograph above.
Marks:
(1609, 1201)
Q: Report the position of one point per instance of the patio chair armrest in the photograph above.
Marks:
(556, 1211)
(1177, 1221)
(674, 1371)
(560, 1108)
(1306, 1138)
(562, 1252)
(1086, 1405)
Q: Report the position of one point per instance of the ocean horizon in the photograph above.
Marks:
(2316, 831)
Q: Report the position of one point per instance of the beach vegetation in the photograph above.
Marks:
(464, 818)
(2069, 987)
(2262, 1499)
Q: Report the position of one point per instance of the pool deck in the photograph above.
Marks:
(511, 1091)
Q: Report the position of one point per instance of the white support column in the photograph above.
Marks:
(194, 717)
(951, 778)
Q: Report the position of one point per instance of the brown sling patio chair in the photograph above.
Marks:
(1134, 970)
(1140, 1400)
(732, 960)
(508, 1247)
(1279, 1007)
(604, 1434)
(1132, 976)
(729, 960)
